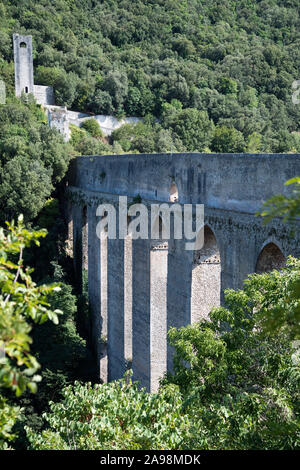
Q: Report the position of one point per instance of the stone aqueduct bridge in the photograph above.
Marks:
(139, 288)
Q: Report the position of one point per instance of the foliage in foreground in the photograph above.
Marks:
(113, 416)
(22, 303)
(234, 386)
(61, 351)
(242, 385)
(286, 315)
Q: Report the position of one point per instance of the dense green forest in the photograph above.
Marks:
(232, 62)
(207, 75)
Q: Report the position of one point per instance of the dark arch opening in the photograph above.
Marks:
(23, 45)
(173, 193)
(270, 257)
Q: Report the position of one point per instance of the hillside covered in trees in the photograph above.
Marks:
(217, 74)
(204, 76)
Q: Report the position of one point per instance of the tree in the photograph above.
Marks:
(117, 415)
(241, 386)
(285, 315)
(21, 303)
(227, 140)
(133, 100)
(183, 46)
(227, 86)
(33, 158)
(92, 127)
(101, 103)
(25, 187)
(193, 128)
(116, 83)
(64, 84)
(253, 143)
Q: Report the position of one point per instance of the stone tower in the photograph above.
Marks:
(23, 64)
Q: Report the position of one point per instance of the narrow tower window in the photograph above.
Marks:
(23, 44)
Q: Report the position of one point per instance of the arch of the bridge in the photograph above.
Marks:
(270, 257)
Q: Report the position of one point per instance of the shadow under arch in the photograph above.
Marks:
(206, 277)
(269, 258)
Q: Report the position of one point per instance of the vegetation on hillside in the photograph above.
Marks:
(205, 76)
(229, 65)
